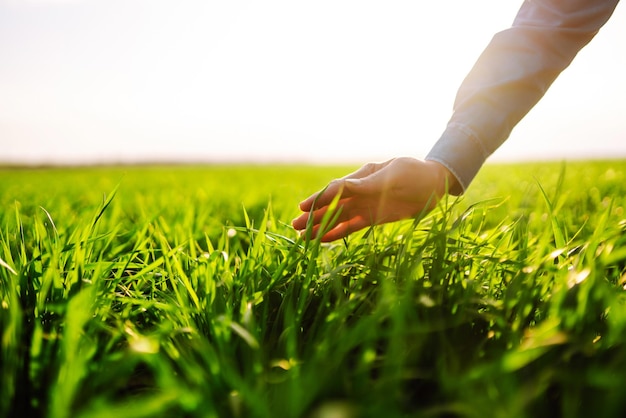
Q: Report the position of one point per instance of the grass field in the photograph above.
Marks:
(183, 292)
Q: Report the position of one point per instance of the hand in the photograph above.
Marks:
(377, 193)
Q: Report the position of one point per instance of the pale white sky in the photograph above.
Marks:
(325, 81)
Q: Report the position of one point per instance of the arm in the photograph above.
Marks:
(511, 76)
(508, 79)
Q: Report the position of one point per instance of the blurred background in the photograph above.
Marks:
(123, 81)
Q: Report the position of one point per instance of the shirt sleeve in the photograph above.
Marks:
(511, 76)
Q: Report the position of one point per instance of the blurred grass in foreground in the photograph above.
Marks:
(182, 291)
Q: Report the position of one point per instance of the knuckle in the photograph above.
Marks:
(371, 167)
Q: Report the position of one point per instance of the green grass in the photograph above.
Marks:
(182, 291)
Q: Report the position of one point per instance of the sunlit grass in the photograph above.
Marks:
(144, 292)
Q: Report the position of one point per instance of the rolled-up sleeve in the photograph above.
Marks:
(510, 77)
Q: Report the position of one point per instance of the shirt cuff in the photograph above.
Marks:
(461, 152)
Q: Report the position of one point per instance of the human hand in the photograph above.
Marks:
(377, 193)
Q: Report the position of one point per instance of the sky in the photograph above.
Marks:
(330, 81)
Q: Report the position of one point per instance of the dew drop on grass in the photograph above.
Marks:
(556, 253)
(335, 409)
(144, 345)
(426, 301)
(235, 402)
(575, 277)
(369, 356)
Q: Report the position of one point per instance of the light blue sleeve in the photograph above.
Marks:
(510, 77)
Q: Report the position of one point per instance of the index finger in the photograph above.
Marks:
(335, 187)
(323, 197)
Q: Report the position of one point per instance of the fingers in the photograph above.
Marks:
(343, 229)
(317, 216)
(340, 230)
(300, 222)
(360, 194)
(343, 186)
(352, 215)
(322, 198)
(325, 197)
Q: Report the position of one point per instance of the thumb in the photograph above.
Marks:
(365, 185)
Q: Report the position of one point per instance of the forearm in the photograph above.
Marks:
(511, 76)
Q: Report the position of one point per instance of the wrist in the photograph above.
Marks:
(446, 182)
